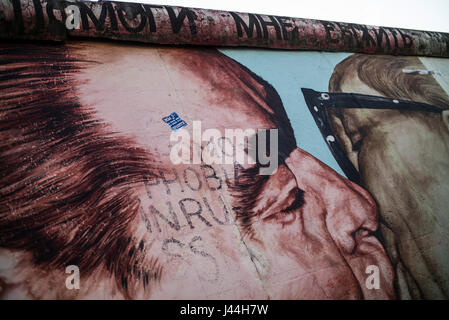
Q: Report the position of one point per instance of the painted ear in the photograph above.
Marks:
(445, 116)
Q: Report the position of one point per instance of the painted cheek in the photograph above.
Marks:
(301, 261)
(349, 211)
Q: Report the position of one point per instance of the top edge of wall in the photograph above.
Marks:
(60, 20)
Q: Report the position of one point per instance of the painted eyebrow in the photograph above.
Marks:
(297, 203)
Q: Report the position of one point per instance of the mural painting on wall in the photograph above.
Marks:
(123, 161)
(160, 172)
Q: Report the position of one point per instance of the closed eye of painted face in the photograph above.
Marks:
(321, 249)
(351, 117)
(402, 160)
(310, 231)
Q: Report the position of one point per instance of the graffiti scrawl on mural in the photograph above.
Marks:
(53, 19)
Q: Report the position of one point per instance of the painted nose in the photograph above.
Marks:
(350, 209)
(350, 218)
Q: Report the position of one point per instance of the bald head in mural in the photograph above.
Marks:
(87, 181)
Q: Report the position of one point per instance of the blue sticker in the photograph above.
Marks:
(174, 121)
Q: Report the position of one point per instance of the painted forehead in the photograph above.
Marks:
(133, 89)
(185, 70)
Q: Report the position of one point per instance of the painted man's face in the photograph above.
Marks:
(318, 246)
(402, 160)
(141, 226)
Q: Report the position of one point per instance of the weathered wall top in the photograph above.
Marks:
(63, 19)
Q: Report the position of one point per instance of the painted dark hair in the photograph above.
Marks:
(66, 180)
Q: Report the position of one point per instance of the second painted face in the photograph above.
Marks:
(402, 160)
